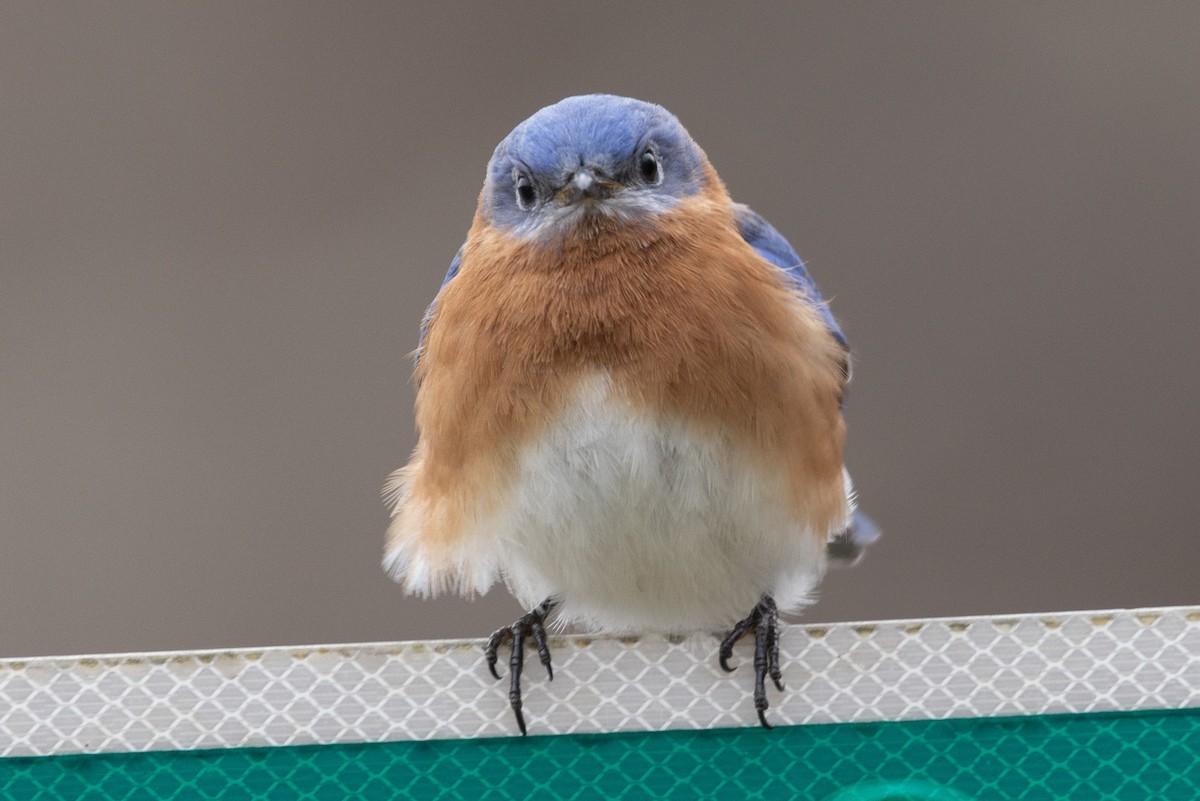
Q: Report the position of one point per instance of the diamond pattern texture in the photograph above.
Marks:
(1096, 757)
(848, 673)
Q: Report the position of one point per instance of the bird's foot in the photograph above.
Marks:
(764, 619)
(530, 625)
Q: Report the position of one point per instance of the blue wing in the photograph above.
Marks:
(453, 271)
(845, 547)
(771, 245)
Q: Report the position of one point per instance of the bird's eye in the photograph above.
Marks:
(526, 194)
(649, 168)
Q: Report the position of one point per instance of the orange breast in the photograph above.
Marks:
(684, 316)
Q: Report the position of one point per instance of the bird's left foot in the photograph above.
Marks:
(532, 625)
(764, 619)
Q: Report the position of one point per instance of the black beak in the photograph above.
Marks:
(587, 185)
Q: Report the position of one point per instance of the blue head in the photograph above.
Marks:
(590, 157)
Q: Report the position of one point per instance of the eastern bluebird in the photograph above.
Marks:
(629, 399)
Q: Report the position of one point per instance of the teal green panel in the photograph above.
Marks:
(1134, 756)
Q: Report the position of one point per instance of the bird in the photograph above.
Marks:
(630, 401)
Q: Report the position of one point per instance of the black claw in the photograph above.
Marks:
(764, 619)
(531, 624)
(514, 699)
(520, 718)
(726, 649)
(538, 632)
(773, 646)
(515, 664)
(489, 651)
(723, 659)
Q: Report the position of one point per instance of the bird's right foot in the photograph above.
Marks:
(531, 624)
(764, 619)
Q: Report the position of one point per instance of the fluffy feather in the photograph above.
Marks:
(642, 393)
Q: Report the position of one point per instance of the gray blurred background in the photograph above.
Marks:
(221, 224)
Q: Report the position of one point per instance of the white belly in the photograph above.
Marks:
(636, 523)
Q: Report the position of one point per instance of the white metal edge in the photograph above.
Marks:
(888, 670)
